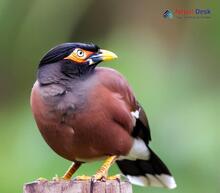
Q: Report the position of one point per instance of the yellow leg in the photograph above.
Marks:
(103, 170)
(72, 169)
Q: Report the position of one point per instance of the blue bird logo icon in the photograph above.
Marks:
(168, 14)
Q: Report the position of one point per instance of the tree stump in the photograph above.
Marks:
(78, 186)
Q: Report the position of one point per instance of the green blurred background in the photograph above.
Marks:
(172, 65)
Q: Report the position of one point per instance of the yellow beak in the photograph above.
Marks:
(106, 55)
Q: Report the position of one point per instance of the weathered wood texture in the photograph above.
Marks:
(73, 186)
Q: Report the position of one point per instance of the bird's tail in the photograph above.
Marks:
(152, 172)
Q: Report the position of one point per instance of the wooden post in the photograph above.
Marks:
(74, 186)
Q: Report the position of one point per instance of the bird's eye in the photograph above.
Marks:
(80, 53)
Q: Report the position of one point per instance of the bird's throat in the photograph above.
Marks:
(62, 72)
(73, 70)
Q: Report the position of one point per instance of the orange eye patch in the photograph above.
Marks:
(79, 55)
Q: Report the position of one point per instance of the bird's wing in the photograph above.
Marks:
(117, 83)
(142, 128)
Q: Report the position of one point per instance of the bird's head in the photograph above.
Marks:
(79, 55)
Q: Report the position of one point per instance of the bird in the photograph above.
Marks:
(86, 113)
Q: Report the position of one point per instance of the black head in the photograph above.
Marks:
(76, 55)
(62, 51)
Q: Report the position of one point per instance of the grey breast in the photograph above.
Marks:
(69, 97)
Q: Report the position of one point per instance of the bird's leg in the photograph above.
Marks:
(103, 170)
(72, 169)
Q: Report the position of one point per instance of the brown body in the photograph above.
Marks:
(83, 128)
(85, 112)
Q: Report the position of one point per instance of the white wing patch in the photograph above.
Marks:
(139, 150)
(135, 115)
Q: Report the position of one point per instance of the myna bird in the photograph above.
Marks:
(88, 113)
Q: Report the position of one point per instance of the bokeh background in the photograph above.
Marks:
(172, 65)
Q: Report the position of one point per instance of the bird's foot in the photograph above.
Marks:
(42, 179)
(100, 175)
(115, 177)
(94, 178)
(57, 178)
(83, 177)
(97, 177)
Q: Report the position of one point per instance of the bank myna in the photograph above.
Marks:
(87, 113)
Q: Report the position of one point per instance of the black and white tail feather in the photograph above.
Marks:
(142, 166)
(151, 172)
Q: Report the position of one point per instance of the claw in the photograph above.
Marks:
(99, 176)
(115, 177)
(42, 179)
(57, 178)
(102, 173)
(83, 177)
(96, 178)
